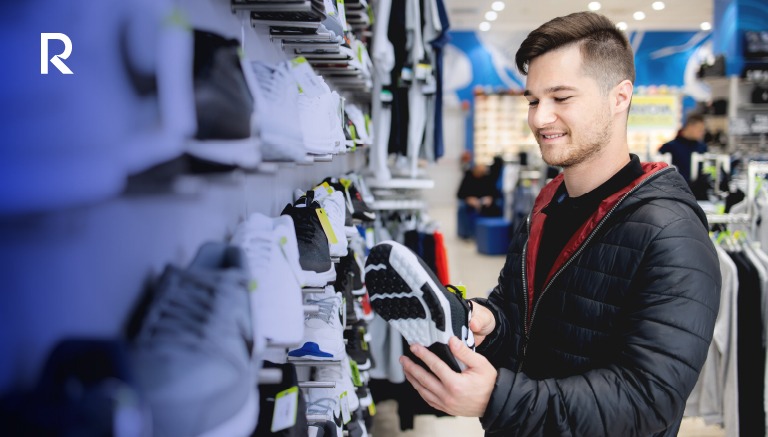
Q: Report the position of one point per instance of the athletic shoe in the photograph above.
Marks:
(314, 253)
(406, 293)
(355, 202)
(323, 330)
(194, 348)
(342, 376)
(277, 316)
(328, 410)
(332, 202)
(323, 429)
(349, 275)
(277, 98)
(357, 345)
(85, 389)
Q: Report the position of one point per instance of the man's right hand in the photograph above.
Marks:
(482, 322)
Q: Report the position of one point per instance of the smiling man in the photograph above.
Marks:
(604, 310)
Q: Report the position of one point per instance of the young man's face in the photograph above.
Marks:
(568, 115)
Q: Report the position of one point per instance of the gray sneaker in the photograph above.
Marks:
(192, 355)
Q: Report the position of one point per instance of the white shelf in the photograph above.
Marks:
(402, 184)
(391, 205)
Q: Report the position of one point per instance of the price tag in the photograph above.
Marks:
(323, 216)
(286, 404)
(342, 14)
(356, 379)
(345, 414)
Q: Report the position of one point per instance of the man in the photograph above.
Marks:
(478, 190)
(604, 310)
(690, 139)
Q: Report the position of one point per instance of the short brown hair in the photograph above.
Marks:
(605, 49)
(694, 119)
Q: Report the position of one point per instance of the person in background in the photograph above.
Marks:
(603, 313)
(478, 190)
(689, 139)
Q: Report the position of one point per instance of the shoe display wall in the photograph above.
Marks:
(154, 186)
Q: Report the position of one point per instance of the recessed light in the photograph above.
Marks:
(498, 6)
(621, 25)
(485, 26)
(639, 15)
(594, 6)
(657, 6)
(491, 16)
(706, 25)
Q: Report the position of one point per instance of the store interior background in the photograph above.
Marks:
(670, 45)
(78, 271)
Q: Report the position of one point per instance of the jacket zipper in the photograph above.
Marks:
(528, 325)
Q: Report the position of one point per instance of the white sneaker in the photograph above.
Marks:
(277, 98)
(323, 330)
(276, 299)
(342, 376)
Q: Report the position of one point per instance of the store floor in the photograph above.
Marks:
(479, 274)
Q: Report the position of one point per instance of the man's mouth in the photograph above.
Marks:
(552, 136)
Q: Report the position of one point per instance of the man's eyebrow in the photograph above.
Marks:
(551, 90)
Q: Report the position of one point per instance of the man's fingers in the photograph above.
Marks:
(422, 376)
(483, 322)
(465, 354)
(433, 362)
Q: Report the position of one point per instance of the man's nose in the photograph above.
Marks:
(541, 115)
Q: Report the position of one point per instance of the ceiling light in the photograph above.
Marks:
(639, 15)
(621, 25)
(594, 6)
(485, 26)
(490, 15)
(498, 6)
(706, 25)
(657, 6)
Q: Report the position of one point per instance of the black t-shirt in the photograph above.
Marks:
(566, 214)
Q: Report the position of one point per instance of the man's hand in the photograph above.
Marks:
(458, 394)
(482, 323)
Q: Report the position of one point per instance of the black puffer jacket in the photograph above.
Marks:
(620, 332)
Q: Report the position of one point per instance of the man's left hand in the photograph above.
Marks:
(458, 394)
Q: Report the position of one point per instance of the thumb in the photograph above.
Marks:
(482, 322)
(464, 354)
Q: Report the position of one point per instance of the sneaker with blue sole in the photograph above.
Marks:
(406, 293)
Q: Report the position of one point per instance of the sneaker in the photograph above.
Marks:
(323, 330)
(406, 293)
(332, 202)
(224, 103)
(342, 376)
(355, 203)
(86, 388)
(314, 253)
(277, 98)
(357, 345)
(324, 407)
(194, 348)
(323, 429)
(277, 316)
(350, 273)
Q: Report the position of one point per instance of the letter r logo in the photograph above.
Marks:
(57, 59)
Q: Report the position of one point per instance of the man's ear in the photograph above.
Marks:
(621, 96)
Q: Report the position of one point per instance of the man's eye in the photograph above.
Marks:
(533, 103)
(561, 99)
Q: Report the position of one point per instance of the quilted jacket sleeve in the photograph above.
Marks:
(670, 315)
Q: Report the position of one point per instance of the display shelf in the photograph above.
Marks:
(402, 184)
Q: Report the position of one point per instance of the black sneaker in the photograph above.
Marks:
(357, 345)
(223, 100)
(349, 276)
(406, 293)
(314, 252)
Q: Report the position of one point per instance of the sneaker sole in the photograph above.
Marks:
(412, 302)
(319, 279)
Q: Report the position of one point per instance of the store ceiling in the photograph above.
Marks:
(527, 14)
